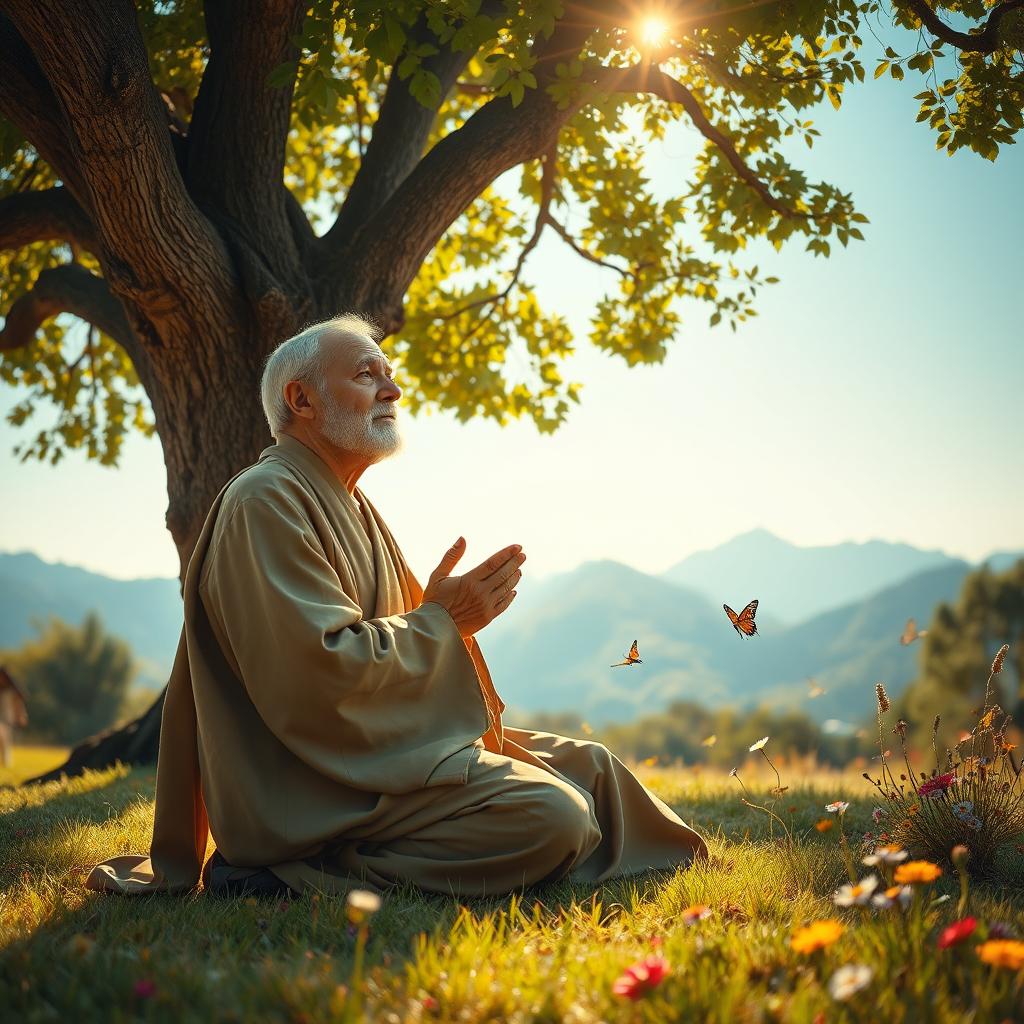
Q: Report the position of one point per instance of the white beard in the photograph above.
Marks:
(367, 437)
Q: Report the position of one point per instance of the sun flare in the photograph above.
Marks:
(653, 31)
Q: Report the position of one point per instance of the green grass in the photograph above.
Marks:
(549, 955)
(29, 761)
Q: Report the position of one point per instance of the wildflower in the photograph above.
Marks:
(144, 988)
(900, 895)
(824, 825)
(80, 945)
(997, 661)
(986, 720)
(639, 979)
(936, 786)
(691, 915)
(856, 895)
(975, 823)
(959, 855)
(360, 904)
(1003, 953)
(963, 808)
(900, 728)
(883, 698)
(759, 744)
(817, 935)
(877, 814)
(1000, 930)
(848, 981)
(957, 932)
(839, 807)
(732, 774)
(917, 871)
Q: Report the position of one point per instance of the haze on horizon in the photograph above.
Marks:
(876, 395)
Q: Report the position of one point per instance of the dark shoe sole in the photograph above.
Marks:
(225, 880)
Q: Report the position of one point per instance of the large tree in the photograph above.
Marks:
(192, 183)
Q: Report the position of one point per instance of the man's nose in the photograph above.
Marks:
(391, 392)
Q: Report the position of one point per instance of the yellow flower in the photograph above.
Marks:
(817, 935)
(1003, 953)
(917, 871)
(824, 825)
(361, 904)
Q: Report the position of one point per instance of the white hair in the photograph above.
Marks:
(301, 357)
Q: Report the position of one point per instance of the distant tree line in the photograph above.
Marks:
(77, 679)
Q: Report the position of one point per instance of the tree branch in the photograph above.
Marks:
(69, 288)
(547, 191)
(239, 125)
(986, 41)
(159, 252)
(396, 142)
(580, 251)
(650, 79)
(390, 247)
(27, 217)
(27, 100)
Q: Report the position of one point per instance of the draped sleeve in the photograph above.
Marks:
(374, 703)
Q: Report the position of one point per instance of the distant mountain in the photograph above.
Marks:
(145, 612)
(553, 649)
(557, 655)
(796, 582)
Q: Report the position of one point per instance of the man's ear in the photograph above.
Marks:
(297, 397)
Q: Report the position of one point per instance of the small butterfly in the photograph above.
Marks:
(587, 728)
(815, 690)
(633, 658)
(911, 633)
(650, 762)
(744, 622)
(709, 741)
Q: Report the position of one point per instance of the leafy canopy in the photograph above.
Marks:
(475, 339)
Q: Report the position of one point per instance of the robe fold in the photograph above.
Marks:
(323, 722)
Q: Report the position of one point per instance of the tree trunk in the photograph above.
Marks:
(211, 425)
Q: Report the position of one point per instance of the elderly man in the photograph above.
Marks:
(332, 722)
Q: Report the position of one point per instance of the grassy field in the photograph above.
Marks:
(551, 954)
(27, 762)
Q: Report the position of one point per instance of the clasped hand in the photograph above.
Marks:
(483, 593)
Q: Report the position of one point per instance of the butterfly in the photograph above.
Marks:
(911, 633)
(815, 690)
(633, 658)
(744, 622)
(587, 728)
(709, 741)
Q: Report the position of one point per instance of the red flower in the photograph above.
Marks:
(937, 785)
(145, 988)
(957, 932)
(639, 979)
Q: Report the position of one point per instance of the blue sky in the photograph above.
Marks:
(877, 394)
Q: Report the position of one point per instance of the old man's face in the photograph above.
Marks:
(359, 404)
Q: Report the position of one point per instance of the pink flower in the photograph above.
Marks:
(639, 979)
(936, 786)
(957, 932)
(145, 988)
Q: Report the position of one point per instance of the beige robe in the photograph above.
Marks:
(323, 722)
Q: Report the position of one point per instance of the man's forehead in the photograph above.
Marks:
(355, 350)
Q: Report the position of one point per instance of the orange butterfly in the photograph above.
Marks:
(911, 632)
(744, 622)
(633, 658)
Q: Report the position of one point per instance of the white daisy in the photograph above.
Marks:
(839, 807)
(897, 896)
(848, 981)
(884, 855)
(856, 895)
(759, 744)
